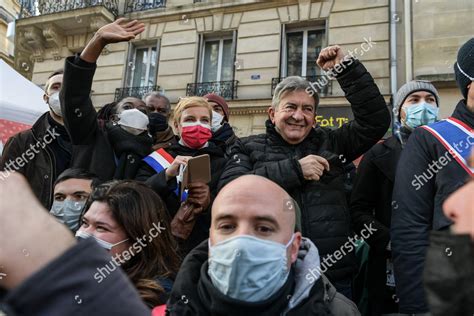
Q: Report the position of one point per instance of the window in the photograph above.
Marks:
(142, 67)
(217, 62)
(301, 48)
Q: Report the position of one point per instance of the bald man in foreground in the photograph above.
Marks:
(255, 262)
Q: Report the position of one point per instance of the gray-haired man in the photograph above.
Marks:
(308, 161)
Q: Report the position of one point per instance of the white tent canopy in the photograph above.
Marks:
(20, 99)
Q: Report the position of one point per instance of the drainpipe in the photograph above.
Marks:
(394, 18)
(408, 42)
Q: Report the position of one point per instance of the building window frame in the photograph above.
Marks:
(132, 57)
(212, 38)
(304, 60)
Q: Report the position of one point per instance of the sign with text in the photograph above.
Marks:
(333, 117)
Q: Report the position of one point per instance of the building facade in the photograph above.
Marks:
(9, 10)
(238, 49)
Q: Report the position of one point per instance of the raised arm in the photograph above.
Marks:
(371, 115)
(80, 117)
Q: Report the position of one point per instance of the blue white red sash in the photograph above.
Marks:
(456, 137)
(159, 160)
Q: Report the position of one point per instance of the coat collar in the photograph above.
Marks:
(387, 158)
(463, 114)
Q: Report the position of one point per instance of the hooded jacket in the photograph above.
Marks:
(304, 293)
(426, 175)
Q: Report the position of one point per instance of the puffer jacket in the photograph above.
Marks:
(324, 212)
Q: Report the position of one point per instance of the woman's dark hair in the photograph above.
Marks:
(106, 112)
(136, 207)
(78, 173)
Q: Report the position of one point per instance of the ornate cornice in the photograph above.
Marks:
(54, 39)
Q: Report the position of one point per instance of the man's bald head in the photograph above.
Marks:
(253, 205)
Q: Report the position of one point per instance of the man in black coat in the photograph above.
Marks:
(371, 200)
(429, 170)
(42, 152)
(308, 162)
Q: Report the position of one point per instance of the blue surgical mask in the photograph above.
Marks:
(68, 212)
(247, 268)
(420, 114)
(104, 244)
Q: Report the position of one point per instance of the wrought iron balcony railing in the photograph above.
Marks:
(40, 7)
(321, 83)
(137, 92)
(141, 5)
(226, 89)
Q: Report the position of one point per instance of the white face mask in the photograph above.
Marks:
(216, 121)
(133, 121)
(55, 104)
(104, 244)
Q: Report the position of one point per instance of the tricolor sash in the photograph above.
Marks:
(159, 160)
(456, 137)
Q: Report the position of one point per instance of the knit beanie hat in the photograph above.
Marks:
(464, 66)
(219, 100)
(410, 87)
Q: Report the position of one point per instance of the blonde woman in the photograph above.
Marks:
(191, 218)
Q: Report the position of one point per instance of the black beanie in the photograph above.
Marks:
(464, 66)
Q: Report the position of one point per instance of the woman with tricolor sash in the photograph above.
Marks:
(190, 211)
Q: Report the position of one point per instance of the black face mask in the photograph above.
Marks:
(158, 123)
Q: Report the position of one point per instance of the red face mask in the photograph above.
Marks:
(195, 135)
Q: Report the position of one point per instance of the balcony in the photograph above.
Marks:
(142, 5)
(31, 8)
(226, 89)
(136, 92)
(322, 84)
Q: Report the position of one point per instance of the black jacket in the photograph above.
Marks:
(166, 189)
(371, 202)
(193, 293)
(67, 286)
(224, 136)
(449, 274)
(418, 196)
(43, 152)
(104, 149)
(325, 217)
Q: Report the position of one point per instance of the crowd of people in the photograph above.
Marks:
(271, 233)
